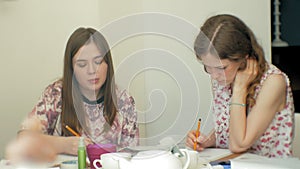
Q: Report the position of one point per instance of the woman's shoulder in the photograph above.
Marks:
(124, 96)
(273, 72)
(126, 104)
(54, 87)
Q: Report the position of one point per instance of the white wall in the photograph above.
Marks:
(158, 68)
(32, 40)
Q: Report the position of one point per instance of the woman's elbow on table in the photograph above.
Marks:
(236, 148)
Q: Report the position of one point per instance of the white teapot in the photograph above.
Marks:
(111, 160)
(150, 159)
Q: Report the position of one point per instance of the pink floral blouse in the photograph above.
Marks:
(276, 141)
(124, 131)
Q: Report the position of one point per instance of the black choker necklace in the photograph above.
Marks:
(86, 100)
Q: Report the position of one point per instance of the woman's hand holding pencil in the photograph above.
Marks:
(197, 134)
(72, 131)
(198, 141)
(87, 140)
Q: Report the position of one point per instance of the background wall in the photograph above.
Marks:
(33, 37)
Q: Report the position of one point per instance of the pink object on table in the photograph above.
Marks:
(94, 151)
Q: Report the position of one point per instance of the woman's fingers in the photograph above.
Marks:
(88, 141)
(191, 140)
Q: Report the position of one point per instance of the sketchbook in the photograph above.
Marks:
(212, 154)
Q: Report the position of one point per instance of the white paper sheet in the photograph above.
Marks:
(252, 161)
(212, 154)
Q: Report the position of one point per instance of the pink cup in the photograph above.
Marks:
(94, 151)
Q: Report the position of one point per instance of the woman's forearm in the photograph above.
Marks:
(238, 121)
(57, 144)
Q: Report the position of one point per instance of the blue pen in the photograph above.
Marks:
(224, 164)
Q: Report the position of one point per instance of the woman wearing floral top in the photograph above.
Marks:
(252, 104)
(86, 99)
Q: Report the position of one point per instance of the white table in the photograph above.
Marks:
(237, 161)
(4, 164)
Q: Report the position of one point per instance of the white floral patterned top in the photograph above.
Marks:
(276, 141)
(124, 131)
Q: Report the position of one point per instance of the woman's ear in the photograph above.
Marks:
(243, 64)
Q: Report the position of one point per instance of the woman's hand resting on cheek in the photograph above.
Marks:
(245, 76)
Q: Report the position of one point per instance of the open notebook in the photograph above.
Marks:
(253, 161)
(212, 154)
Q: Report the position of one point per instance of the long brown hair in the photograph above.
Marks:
(230, 38)
(73, 113)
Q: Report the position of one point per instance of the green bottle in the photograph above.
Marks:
(81, 153)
